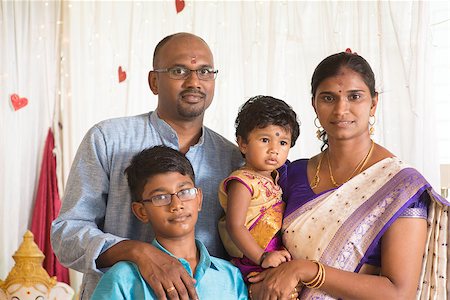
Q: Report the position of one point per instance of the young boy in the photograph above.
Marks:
(162, 185)
(266, 128)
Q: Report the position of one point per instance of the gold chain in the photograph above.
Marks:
(356, 171)
(316, 178)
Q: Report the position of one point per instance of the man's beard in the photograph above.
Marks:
(189, 111)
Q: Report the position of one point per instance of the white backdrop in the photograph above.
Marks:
(64, 56)
(29, 39)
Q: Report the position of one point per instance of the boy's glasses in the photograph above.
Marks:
(166, 199)
(182, 73)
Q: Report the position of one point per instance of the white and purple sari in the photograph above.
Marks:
(343, 227)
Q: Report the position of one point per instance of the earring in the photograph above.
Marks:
(319, 127)
(371, 123)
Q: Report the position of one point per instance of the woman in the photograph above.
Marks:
(355, 208)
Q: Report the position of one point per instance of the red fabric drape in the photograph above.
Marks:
(46, 208)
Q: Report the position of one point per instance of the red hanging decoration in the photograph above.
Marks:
(18, 102)
(179, 4)
(122, 74)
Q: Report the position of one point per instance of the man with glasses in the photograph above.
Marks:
(164, 195)
(96, 227)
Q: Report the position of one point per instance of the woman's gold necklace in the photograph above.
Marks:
(356, 171)
(316, 179)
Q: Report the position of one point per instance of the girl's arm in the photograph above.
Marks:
(402, 249)
(238, 202)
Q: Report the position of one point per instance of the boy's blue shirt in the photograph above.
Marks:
(216, 279)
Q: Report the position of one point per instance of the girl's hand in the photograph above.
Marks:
(275, 258)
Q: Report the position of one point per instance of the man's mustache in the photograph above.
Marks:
(192, 91)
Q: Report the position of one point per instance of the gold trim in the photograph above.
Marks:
(268, 225)
(28, 270)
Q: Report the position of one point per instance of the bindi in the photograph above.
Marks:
(277, 133)
(194, 60)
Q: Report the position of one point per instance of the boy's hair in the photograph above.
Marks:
(154, 161)
(262, 111)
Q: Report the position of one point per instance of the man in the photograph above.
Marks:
(96, 227)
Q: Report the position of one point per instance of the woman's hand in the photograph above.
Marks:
(282, 282)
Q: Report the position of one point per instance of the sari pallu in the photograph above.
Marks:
(342, 226)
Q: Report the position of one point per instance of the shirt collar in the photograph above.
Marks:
(168, 133)
(204, 262)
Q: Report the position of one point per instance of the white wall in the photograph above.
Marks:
(440, 20)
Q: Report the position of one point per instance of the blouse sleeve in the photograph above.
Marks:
(419, 209)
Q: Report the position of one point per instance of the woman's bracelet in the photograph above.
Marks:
(263, 256)
(319, 279)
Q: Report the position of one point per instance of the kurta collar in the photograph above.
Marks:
(168, 133)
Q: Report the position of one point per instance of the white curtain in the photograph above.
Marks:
(260, 47)
(29, 40)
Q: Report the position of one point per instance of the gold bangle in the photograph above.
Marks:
(316, 277)
(319, 279)
(323, 279)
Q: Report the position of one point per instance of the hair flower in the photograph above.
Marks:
(348, 50)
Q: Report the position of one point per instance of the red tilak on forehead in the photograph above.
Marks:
(194, 59)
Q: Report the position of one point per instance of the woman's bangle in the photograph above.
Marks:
(263, 256)
(319, 279)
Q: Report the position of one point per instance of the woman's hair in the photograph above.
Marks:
(262, 111)
(154, 161)
(331, 66)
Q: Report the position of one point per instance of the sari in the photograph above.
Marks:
(342, 226)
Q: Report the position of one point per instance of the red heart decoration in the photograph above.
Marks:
(179, 4)
(18, 102)
(122, 74)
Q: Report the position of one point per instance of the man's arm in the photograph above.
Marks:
(76, 235)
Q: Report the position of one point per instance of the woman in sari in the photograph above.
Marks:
(359, 222)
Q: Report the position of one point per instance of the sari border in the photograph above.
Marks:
(370, 218)
(394, 218)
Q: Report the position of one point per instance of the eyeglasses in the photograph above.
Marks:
(182, 73)
(166, 199)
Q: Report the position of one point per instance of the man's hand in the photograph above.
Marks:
(166, 275)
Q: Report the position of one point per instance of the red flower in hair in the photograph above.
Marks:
(348, 50)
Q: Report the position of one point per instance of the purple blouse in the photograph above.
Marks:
(297, 191)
